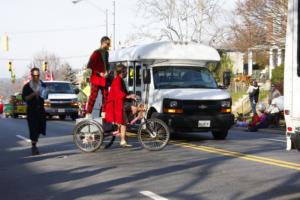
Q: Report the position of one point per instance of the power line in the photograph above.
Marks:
(55, 30)
(30, 59)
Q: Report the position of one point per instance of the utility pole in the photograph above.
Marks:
(106, 19)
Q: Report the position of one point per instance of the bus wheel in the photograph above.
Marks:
(220, 134)
(297, 142)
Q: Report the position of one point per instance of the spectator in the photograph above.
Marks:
(262, 122)
(273, 93)
(253, 92)
(274, 110)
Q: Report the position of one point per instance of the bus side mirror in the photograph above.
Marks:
(226, 79)
(146, 76)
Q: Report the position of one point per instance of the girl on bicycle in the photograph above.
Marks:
(116, 105)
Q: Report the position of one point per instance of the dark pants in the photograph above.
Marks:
(274, 119)
(93, 97)
(37, 123)
(253, 106)
(258, 126)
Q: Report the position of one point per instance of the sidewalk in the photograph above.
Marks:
(280, 130)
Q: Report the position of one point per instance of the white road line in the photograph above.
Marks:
(152, 195)
(274, 140)
(23, 138)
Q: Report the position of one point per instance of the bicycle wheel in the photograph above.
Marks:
(88, 135)
(153, 134)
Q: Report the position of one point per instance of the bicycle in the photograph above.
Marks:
(89, 135)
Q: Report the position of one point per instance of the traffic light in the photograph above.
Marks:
(9, 66)
(45, 66)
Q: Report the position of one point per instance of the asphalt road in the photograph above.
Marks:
(193, 166)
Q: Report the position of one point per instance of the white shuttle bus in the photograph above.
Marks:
(292, 78)
(174, 80)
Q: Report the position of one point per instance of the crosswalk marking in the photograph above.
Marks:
(152, 195)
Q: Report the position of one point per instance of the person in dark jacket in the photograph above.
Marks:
(253, 92)
(33, 94)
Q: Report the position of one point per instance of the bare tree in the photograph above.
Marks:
(68, 73)
(53, 63)
(259, 22)
(181, 20)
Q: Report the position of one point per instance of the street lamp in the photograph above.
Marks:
(104, 11)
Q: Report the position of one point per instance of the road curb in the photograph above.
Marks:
(280, 131)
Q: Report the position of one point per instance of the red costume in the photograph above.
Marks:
(98, 63)
(115, 102)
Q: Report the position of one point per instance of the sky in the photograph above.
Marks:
(70, 31)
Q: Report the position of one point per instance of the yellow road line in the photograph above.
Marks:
(259, 159)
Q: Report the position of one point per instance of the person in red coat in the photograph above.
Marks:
(99, 65)
(116, 107)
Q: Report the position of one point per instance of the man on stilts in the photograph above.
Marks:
(99, 65)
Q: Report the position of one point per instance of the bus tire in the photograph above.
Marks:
(297, 142)
(220, 134)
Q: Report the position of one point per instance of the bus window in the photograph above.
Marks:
(138, 75)
(130, 76)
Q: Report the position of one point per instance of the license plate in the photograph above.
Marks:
(61, 110)
(204, 123)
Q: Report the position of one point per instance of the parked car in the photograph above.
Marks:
(7, 109)
(1, 107)
(15, 107)
(62, 100)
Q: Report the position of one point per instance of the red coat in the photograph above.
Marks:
(115, 102)
(98, 63)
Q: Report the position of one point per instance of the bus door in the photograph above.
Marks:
(134, 78)
(137, 79)
(130, 77)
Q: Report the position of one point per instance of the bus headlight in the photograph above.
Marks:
(226, 104)
(173, 104)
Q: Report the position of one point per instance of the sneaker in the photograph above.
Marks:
(88, 116)
(35, 151)
(125, 144)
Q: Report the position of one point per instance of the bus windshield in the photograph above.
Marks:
(167, 77)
